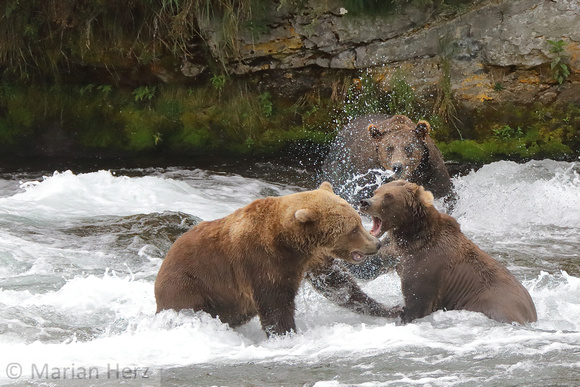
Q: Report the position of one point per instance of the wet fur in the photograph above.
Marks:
(252, 261)
(439, 267)
(360, 146)
(423, 166)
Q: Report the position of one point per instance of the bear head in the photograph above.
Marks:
(400, 144)
(327, 222)
(395, 205)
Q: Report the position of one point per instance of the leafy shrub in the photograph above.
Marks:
(506, 133)
(560, 70)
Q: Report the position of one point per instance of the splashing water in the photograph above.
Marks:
(364, 182)
(538, 193)
(79, 254)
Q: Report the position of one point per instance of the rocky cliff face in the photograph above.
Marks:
(480, 70)
(498, 50)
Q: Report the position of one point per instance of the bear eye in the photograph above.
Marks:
(389, 149)
(409, 150)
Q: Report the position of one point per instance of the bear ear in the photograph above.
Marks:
(423, 196)
(326, 186)
(305, 215)
(426, 196)
(374, 132)
(423, 129)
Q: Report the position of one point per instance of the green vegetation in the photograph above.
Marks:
(246, 120)
(488, 151)
(506, 133)
(532, 132)
(365, 95)
(40, 38)
(266, 103)
(89, 70)
(173, 119)
(513, 132)
(45, 39)
(218, 82)
(144, 93)
(444, 108)
(558, 66)
(401, 96)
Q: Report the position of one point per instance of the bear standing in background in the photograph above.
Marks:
(379, 143)
(439, 267)
(252, 261)
(395, 144)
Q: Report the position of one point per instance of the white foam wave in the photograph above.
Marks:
(505, 196)
(133, 334)
(66, 195)
(557, 299)
(108, 318)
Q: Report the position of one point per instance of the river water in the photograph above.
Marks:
(79, 252)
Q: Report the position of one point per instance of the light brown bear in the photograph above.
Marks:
(252, 261)
(439, 267)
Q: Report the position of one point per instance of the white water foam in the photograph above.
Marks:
(133, 335)
(505, 196)
(66, 195)
(109, 317)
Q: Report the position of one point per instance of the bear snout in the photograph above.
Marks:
(398, 170)
(373, 246)
(370, 245)
(365, 204)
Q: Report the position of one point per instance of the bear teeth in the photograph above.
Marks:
(377, 223)
(357, 256)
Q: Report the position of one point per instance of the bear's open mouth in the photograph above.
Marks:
(357, 256)
(377, 223)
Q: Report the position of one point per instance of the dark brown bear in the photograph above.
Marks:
(394, 144)
(439, 267)
(252, 261)
(379, 142)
